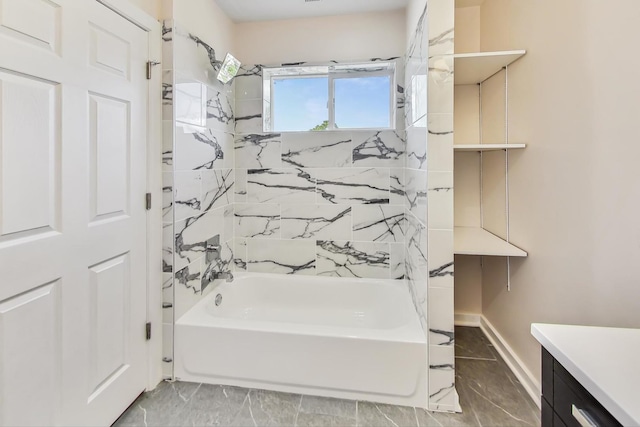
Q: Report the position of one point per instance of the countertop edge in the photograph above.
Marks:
(624, 417)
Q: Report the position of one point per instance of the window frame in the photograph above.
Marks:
(328, 71)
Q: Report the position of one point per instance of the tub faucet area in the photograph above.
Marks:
(213, 255)
(227, 275)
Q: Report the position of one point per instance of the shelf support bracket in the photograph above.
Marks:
(506, 165)
(480, 127)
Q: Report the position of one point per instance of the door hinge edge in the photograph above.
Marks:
(150, 65)
(148, 330)
(148, 201)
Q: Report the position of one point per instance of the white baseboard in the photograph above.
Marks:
(467, 319)
(526, 378)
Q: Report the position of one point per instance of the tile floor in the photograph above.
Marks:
(489, 395)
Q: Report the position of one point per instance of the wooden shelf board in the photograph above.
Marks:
(473, 68)
(478, 241)
(487, 147)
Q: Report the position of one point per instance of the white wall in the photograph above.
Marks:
(205, 19)
(412, 16)
(152, 7)
(350, 37)
(575, 190)
(342, 38)
(467, 29)
(468, 278)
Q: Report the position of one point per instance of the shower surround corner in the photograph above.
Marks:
(351, 204)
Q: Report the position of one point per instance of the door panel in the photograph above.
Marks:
(110, 147)
(110, 310)
(39, 379)
(109, 52)
(73, 114)
(41, 30)
(30, 173)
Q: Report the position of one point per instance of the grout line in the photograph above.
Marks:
(295, 423)
(476, 358)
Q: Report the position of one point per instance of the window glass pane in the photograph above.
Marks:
(300, 104)
(363, 102)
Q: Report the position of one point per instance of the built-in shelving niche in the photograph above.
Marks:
(487, 147)
(476, 68)
(478, 241)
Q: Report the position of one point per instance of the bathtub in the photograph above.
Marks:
(355, 339)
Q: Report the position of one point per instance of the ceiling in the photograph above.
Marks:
(269, 10)
(468, 3)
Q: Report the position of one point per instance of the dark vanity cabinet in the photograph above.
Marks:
(567, 403)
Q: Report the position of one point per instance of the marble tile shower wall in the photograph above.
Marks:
(167, 202)
(325, 203)
(198, 175)
(442, 394)
(415, 179)
(417, 210)
(429, 192)
(344, 203)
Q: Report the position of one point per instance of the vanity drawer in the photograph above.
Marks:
(547, 413)
(574, 405)
(557, 422)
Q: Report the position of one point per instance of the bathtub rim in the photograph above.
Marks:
(200, 316)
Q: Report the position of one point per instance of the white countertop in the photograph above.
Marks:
(606, 361)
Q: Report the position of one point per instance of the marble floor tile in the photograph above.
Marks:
(439, 419)
(269, 409)
(213, 405)
(325, 411)
(159, 407)
(381, 415)
(320, 420)
(515, 383)
(471, 343)
(490, 395)
(328, 406)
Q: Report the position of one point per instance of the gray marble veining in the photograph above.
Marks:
(378, 223)
(197, 148)
(258, 151)
(217, 188)
(213, 405)
(280, 185)
(248, 116)
(353, 259)
(417, 46)
(160, 407)
(378, 414)
(270, 409)
(316, 221)
(198, 176)
(353, 186)
(219, 111)
(317, 149)
(257, 220)
(281, 256)
(323, 183)
(472, 344)
(483, 387)
(381, 148)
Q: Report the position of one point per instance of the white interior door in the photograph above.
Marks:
(73, 116)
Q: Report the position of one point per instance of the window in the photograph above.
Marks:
(317, 98)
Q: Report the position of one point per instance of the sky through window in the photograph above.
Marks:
(302, 103)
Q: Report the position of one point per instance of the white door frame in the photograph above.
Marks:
(154, 184)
